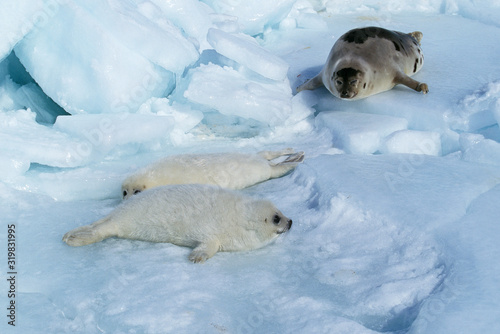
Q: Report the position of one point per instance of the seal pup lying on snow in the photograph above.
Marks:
(204, 217)
(368, 61)
(227, 170)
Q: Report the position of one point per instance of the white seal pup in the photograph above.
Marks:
(227, 170)
(204, 217)
(368, 61)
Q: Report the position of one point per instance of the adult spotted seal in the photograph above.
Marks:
(368, 61)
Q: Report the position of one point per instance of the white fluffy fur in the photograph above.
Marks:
(208, 218)
(227, 170)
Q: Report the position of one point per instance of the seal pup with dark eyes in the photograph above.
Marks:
(367, 61)
(204, 217)
(230, 170)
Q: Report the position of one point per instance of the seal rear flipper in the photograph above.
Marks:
(403, 79)
(281, 168)
(311, 84)
(270, 155)
(204, 251)
(297, 157)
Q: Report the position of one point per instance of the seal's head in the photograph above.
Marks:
(348, 82)
(129, 188)
(266, 220)
(280, 222)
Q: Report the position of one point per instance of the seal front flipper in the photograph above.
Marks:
(311, 84)
(403, 79)
(417, 35)
(204, 251)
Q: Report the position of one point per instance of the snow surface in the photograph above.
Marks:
(395, 207)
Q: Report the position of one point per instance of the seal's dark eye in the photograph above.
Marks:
(276, 219)
(353, 82)
(136, 191)
(339, 82)
(124, 193)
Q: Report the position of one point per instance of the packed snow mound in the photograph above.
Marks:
(413, 142)
(478, 110)
(358, 132)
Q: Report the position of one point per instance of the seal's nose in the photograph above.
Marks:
(289, 223)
